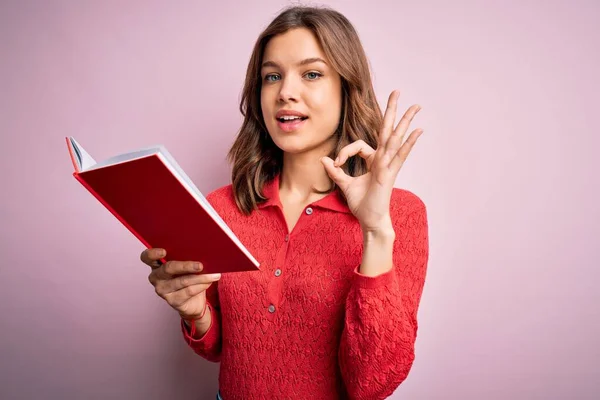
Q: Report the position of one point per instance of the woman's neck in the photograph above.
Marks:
(301, 175)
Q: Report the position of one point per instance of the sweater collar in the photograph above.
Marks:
(333, 201)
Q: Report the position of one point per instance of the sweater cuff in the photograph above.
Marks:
(209, 337)
(373, 282)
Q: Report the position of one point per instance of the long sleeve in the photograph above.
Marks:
(209, 345)
(377, 347)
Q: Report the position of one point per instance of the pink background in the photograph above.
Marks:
(508, 168)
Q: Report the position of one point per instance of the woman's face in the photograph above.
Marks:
(301, 94)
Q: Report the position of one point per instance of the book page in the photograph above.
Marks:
(133, 155)
(83, 159)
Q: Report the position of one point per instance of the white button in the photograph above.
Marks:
(277, 272)
(271, 308)
(309, 210)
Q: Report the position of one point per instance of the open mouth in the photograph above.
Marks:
(287, 120)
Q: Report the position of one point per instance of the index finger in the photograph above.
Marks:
(173, 268)
(359, 147)
(152, 256)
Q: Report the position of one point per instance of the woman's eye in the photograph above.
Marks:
(271, 77)
(313, 75)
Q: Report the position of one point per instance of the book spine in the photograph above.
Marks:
(113, 211)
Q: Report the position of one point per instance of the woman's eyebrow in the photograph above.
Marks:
(303, 62)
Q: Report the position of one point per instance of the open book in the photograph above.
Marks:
(154, 198)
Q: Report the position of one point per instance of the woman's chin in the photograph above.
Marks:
(298, 145)
(296, 148)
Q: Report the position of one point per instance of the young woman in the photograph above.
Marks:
(332, 313)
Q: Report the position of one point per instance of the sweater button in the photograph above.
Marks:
(287, 238)
(309, 211)
(271, 308)
(277, 272)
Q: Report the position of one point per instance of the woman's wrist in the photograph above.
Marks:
(197, 317)
(200, 324)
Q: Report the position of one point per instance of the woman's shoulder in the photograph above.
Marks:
(222, 197)
(405, 202)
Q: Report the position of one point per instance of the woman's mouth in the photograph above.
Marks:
(290, 123)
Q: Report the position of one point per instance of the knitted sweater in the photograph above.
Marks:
(308, 325)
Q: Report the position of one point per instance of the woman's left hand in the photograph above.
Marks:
(369, 195)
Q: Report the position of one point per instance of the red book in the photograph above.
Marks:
(176, 217)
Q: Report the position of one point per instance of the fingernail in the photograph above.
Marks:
(162, 253)
(337, 160)
(198, 266)
(215, 277)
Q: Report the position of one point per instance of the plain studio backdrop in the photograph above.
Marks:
(508, 167)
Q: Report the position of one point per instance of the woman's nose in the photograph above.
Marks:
(289, 90)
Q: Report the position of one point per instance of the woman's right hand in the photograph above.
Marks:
(179, 283)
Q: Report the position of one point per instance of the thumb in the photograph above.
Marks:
(337, 174)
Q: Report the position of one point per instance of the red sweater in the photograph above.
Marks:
(308, 325)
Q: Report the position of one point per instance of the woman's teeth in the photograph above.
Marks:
(287, 119)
